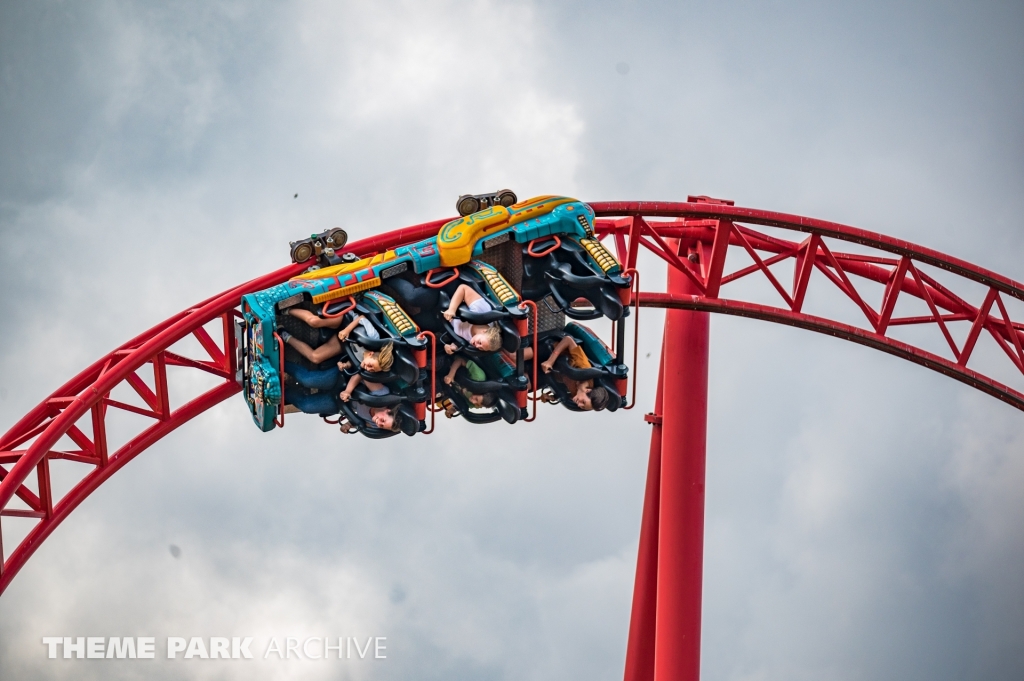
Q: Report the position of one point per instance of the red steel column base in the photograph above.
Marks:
(681, 516)
(640, 649)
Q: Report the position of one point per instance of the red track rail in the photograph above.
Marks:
(710, 236)
(698, 238)
(84, 403)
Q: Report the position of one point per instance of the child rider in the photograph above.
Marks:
(584, 394)
(485, 337)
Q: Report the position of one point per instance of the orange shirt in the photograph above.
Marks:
(577, 359)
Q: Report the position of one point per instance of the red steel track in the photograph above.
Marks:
(710, 232)
(698, 239)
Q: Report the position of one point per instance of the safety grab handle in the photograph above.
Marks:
(328, 315)
(464, 346)
(555, 245)
(439, 284)
(364, 396)
(563, 367)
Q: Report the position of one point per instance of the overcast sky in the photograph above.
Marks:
(865, 517)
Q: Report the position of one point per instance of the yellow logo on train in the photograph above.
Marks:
(456, 240)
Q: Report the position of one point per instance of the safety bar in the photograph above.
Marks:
(433, 378)
(280, 378)
(524, 305)
(634, 288)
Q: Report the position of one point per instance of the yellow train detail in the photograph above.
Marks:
(456, 240)
(538, 205)
(601, 255)
(397, 316)
(347, 267)
(497, 283)
(373, 282)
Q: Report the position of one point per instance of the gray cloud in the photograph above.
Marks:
(863, 514)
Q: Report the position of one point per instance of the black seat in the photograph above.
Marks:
(604, 371)
(406, 418)
(568, 274)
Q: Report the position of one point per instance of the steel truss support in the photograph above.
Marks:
(713, 236)
(664, 635)
(681, 499)
(643, 619)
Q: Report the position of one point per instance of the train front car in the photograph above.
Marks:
(563, 259)
(306, 339)
(558, 255)
(263, 362)
(569, 273)
(541, 250)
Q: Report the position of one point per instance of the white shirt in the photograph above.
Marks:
(465, 329)
(371, 332)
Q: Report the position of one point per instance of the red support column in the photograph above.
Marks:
(640, 648)
(681, 516)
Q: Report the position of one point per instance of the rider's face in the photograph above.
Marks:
(384, 420)
(370, 362)
(582, 399)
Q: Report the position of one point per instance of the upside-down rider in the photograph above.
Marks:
(584, 394)
(484, 337)
(475, 374)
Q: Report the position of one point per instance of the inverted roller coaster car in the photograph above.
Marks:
(405, 378)
(397, 404)
(264, 350)
(573, 265)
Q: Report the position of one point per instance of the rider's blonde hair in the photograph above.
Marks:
(493, 335)
(385, 356)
